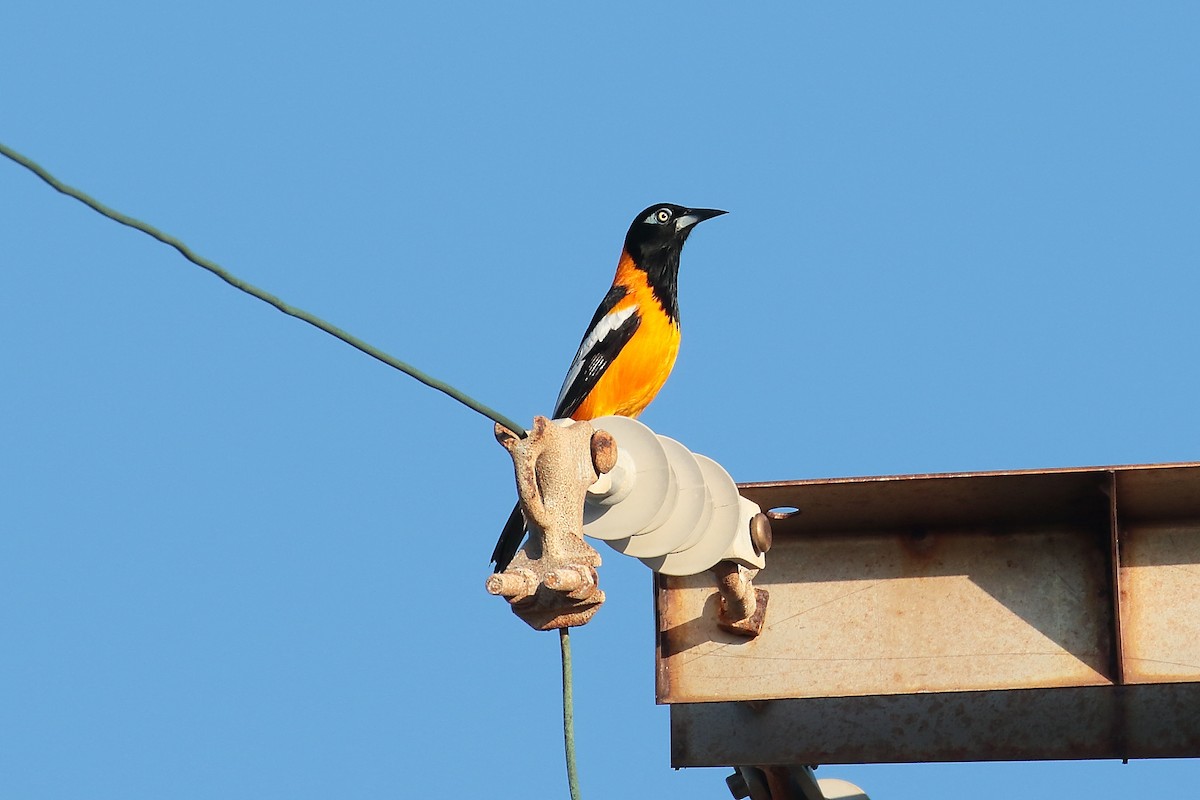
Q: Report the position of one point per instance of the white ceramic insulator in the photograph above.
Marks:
(679, 513)
(642, 493)
(838, 789)
(689, 515)
(727, 536)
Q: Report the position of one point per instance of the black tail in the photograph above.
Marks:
(510, 539)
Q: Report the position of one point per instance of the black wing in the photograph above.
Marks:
(598, 349)
(510, 539)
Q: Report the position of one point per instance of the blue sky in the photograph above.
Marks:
(239, 559)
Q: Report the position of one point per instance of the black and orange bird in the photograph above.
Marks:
(630, 346)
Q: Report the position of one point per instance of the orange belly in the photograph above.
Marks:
(639, 370)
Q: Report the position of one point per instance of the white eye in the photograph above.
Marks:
(663, 215)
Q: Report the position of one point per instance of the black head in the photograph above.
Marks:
(663, 227)
(654, 242)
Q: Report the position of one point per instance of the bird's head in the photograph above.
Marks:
(658, 233)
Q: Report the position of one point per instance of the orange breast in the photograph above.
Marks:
(641, 368)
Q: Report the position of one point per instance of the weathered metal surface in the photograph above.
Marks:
(952, 617)
(884, 613)
(1159, 521)
(939, 500)
(1160, 575)
(1144, 721)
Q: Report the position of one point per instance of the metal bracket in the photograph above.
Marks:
(743, 608)
(552, 581)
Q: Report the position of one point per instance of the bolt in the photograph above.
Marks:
(513, 585)
(604, 452)
(760, 533)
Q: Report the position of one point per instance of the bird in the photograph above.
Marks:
(631, 343)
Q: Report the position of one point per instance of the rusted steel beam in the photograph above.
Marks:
(1133, 721)
(917, 600)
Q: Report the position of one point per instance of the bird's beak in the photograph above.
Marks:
(694, 215)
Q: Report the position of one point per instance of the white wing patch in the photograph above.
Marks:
(604, 327)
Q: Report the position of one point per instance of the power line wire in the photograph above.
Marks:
(254, 291)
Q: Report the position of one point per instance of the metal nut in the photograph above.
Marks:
(760, 533)
(604, 452)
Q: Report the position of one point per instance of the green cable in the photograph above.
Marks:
(254, 291)
(564, 639)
